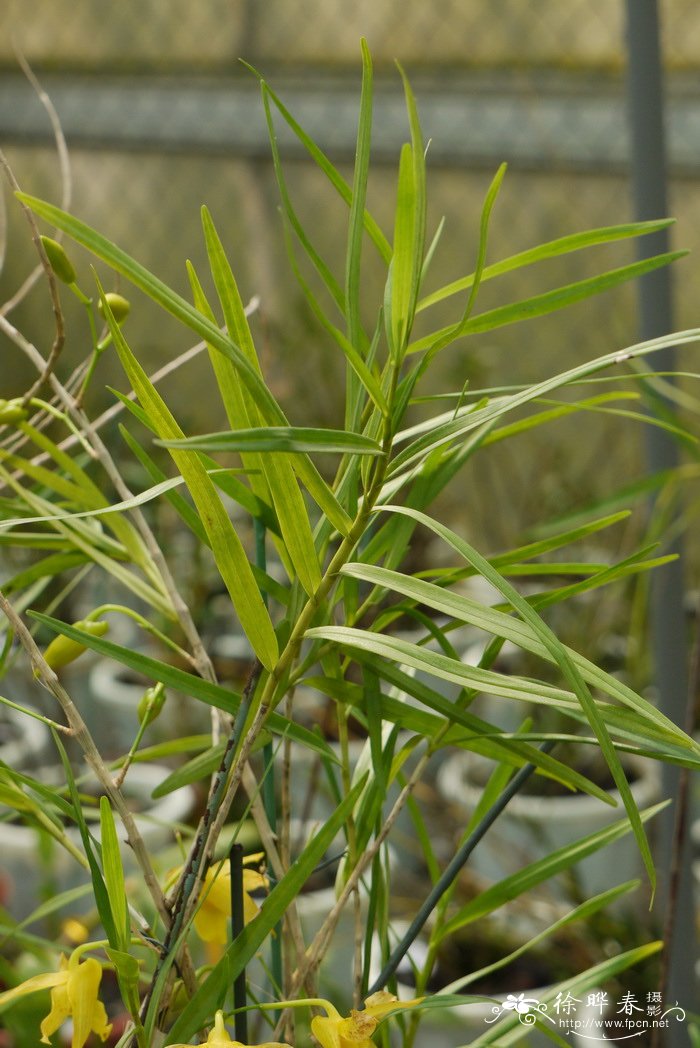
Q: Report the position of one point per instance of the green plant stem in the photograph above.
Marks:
(452, 870)
(187, 889)
(145, 625)
(269, 791)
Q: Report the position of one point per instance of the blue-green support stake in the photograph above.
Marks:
(668, 625)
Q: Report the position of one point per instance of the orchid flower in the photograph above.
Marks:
(73, 994)
(332, 1030)
(211, 921)
(219, 1038)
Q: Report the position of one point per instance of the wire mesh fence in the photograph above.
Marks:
(160, 117)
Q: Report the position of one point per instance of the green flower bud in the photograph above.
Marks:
(119, 306)
(62, 650)
(151, 703)
(12, 411)
(58, 260)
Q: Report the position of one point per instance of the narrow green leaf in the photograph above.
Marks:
(225, 480)
(181, 506)
(114, 874)
(541, 305)
(509, 1031)
(226, 546)
(551, 249)
(439, 665)
(207, 998)
(517, 884)
(569, 670)
(356, 222)
(454, 425)
(187, 683)
(287, 439)
(496, 622)
(357, 364)
(331, 173)
(486, 210)
(243, 413)
(290, 215)
(399, 303)
(98, 885)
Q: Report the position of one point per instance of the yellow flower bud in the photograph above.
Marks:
(63, 650)
(119, 306)
(58, 260)
(12, 411)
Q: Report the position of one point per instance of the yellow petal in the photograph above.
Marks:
(33, 985)
(250, 909)
(381, 1003)
(219, 1035)
(211, 925)
(357, 1030)
(219, 1038)
(325, 1030)
(257, 857)
(253, 879)
(60, 1010)
(88, 1012)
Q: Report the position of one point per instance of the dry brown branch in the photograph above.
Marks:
(64, 167)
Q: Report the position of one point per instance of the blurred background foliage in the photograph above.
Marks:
(160, 116)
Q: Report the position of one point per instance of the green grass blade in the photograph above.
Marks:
(357, 207)
(208, 997)
(357, 363)
(469, 731)
(324, 164)
(187, 683)
(226, 546)
(497, 895)
(98, 885)
(225, 480)
(487, 208)
(542, 305)
(290, 215)
(181, 506)
(439, 665)
(287, 439)
(114, 874)
(243, 412)
(164, 296)
(563, 659)
(452, 425)
(551, 249)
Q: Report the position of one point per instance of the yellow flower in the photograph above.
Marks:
(219, 1037)
(73, 993)
(211, 921)
(356, 1030)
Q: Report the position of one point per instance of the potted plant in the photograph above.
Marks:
(342, 533)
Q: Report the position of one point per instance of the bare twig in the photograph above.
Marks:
(64, 167)
(60, 333)
(92, 755)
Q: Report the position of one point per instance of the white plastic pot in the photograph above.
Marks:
(23, 739)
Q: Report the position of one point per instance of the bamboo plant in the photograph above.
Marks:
(331, 622)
